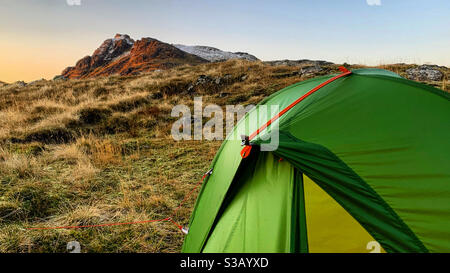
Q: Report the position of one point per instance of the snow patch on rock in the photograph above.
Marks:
(213, 54)
(125, 37)
(114, 47)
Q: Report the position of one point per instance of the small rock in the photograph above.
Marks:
(203, 79)
(190, 88)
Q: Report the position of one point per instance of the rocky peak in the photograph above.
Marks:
(112, 48)
(123, 37)
(122, 55)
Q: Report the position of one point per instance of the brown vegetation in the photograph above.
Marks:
(96, 151)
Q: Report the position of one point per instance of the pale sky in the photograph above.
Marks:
(39, 38)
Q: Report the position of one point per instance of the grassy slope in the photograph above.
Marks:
(85, 152)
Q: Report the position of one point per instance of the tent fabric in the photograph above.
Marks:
(351, 192)
(226, 163)
(331, 228)
(375, 143)
(249, 210)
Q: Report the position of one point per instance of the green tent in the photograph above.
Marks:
(361, 163)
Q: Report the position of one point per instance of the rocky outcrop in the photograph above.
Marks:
(213, 54)
(425, 73)
(20, 84)
(214, 83)
(122, 55)
(310, 70)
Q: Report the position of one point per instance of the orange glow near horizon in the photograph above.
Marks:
(29, 60)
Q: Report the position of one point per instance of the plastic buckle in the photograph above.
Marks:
(245, 140)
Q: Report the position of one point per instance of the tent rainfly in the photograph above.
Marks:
(353, 162)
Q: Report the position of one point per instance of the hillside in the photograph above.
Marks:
(122, 55)
(98, 150)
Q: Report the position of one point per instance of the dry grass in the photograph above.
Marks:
(96, 151)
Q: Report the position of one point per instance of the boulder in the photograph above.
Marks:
(425, 73)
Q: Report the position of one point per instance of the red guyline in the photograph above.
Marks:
(277, 116)
(189, 194)
(139, 222)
